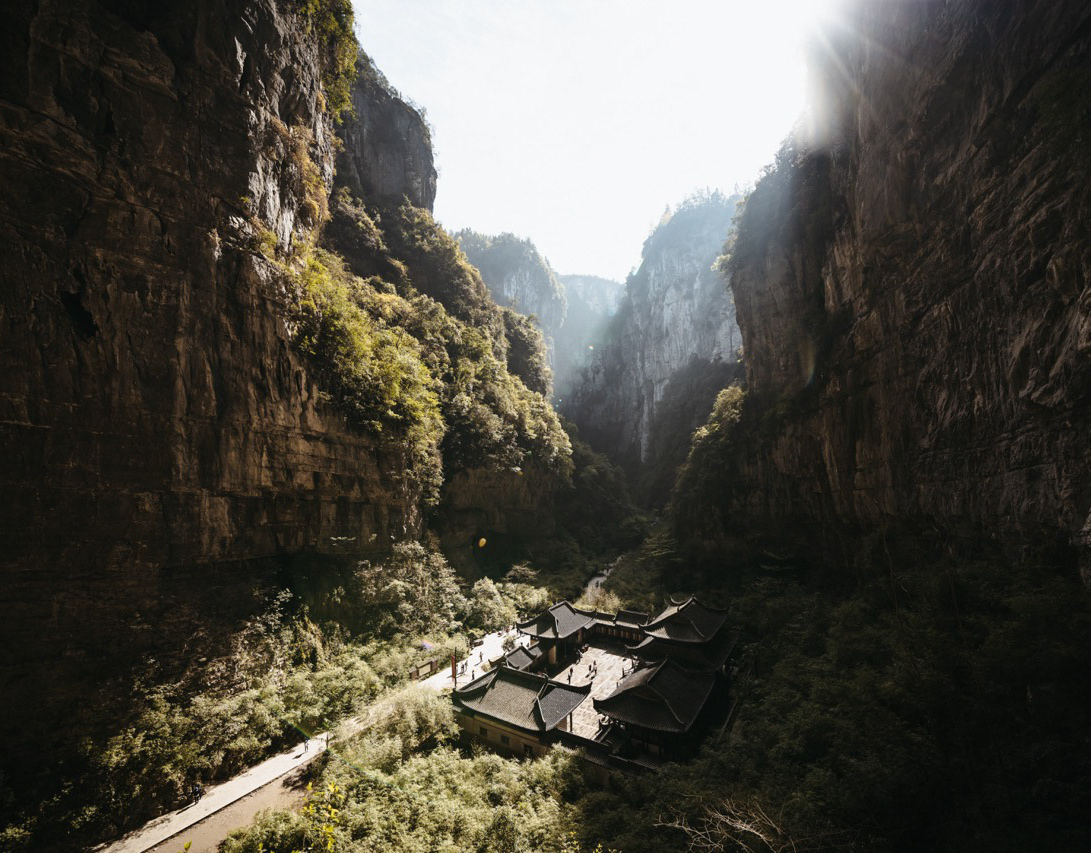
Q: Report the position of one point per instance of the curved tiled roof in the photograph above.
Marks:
(631, 617)
(686, 622)
(521, 657)
(663, 696)
(558, 622)
(711, 654)
(522, 699)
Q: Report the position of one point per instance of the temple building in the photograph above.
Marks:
(515, 711)
(630, 692)
(559, 631)
(664, 708)
(689, 633)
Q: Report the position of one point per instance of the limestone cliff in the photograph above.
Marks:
(153, 413)
(675, 317)
(571, 310)
(518, 277)
(388, 147)
(913, 290)
(172, 432)
(592, 301)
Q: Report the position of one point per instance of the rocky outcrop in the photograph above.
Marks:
(162, 440)
(518, 277)
(388, 146)
(675, 312)
(571, 310)
(913, 288)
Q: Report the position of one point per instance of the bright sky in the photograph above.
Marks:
(574, 122)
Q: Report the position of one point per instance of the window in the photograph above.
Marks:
(504, 739)
(528, 750)
(484, 732)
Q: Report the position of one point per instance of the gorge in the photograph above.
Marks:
(272, 438)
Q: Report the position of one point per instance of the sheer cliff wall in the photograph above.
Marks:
(675, 323)
(161, 439)
(913, 290)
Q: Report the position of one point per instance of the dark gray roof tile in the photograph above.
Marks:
(663, 696)
(522, 699)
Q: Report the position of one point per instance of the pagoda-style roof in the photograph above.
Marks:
(558, 622)
(631, 618)
(521, 657)
(709, 655)
(522, 699)
(663, 697)
(688, 621)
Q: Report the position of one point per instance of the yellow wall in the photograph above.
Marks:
(517, 740)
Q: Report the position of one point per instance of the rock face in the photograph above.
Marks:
(571, 310)
(913, 290)
(388, 147)
(518, 278)
(161, 439)
(600, 296)
(592, 301)
(675, 312)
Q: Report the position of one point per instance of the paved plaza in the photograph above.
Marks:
(602, 665)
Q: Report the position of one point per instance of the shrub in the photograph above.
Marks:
(372, 370)
(331, 22)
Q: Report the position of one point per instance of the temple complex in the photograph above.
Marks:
(628, 691)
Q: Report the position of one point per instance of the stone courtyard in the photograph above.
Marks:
(610, 661)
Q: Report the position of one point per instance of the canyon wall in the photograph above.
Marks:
(675, 323)
(165, 446)
(571, 310)
(518, 277)
(912, 285)
(592, 301)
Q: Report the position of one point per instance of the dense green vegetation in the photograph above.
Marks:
(527, 352)
(499, 257)
(388, 794)
(698, 513)
(372, 367)
(331, 23)
(903, 703)
(684, 408)
(487, 365)
(325, 651)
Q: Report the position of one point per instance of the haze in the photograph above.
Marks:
(576, 123)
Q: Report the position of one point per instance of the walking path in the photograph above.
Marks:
(220, 796)
(216, 798)
(491, 648)
(597, 581)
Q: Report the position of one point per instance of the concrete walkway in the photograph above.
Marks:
(490, 649)
(217, 797)
(222, 795)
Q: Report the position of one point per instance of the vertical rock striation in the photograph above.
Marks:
(388, 147)
(592, 301)
(675, 315)
(154, 417)
(913, 289)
